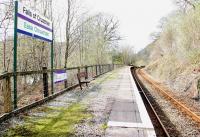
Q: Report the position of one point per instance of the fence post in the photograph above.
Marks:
(86, 71)
(96, 70)
(92, 71)
(100, 69)
(66, 83)
(79, 70)
(7, 94)
(45, 82)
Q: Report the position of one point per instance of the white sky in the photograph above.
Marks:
(138, 18)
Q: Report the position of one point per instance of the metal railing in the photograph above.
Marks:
(33, 86)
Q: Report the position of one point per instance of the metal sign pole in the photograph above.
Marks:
(52, 58)
(15, 57)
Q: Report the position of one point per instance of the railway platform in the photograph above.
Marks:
(128, 117)
(114, 108)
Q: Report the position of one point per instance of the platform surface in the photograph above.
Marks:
(128, 117)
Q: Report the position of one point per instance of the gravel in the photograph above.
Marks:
(99, 102)
(98, 99)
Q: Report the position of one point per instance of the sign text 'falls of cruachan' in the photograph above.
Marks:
(33, 24)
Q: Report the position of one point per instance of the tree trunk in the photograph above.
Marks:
(67, 34)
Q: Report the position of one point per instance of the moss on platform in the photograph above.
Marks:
(60, 123)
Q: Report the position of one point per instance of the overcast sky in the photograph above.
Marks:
(138, 18)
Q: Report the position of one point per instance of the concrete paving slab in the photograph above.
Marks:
(125, 105)
(125, 116)
(126, 132)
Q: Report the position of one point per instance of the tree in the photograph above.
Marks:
(185, 4)
(5, 25)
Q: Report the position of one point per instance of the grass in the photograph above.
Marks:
(104, 126)
(109, 76)
(59, 124)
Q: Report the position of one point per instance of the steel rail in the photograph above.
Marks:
(178, 104)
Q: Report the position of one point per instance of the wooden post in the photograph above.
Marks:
(100, 69)
(7, 95)
(45, 82)
(96, 70)
(66, 83)
(79, 70)
(86, 71)
(92, 71)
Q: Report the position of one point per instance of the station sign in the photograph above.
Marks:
(60, 76)
(33, 24)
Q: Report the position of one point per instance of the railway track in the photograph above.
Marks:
(179, 105)
(157, 123)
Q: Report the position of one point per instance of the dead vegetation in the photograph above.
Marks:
(175, 53)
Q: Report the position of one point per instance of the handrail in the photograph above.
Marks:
(24, 73)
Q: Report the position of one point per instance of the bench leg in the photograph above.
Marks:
(86, 84)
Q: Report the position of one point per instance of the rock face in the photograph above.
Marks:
(198, 86)
(195, 87)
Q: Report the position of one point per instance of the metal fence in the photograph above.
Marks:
(33, 86)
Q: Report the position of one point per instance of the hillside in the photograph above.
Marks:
(174, 56)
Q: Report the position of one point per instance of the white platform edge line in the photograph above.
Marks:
(128, 125)
(150, 131)
(141, 107)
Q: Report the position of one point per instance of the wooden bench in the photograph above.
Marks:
(80, 77)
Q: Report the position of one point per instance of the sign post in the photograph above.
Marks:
(52, 54)
(30, 23)
(15, 56)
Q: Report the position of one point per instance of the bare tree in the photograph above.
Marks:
(185, 4)
(5, 26)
